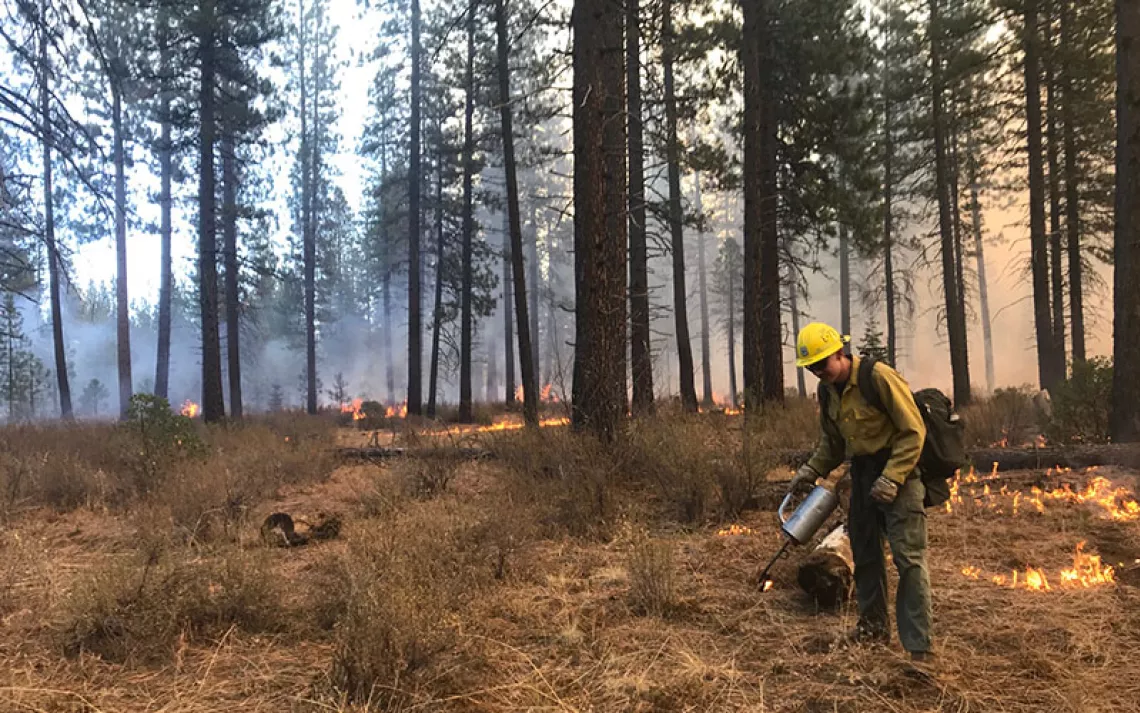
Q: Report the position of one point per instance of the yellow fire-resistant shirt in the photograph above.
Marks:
(853, 427)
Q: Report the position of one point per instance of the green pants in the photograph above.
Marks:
(903, 522)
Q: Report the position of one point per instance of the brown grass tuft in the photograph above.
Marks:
(653, 578)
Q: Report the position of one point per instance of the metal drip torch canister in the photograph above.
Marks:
(802, 525)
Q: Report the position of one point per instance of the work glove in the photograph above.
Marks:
(884, 490)
(803, 480)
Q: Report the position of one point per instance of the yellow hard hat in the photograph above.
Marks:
(818, 341)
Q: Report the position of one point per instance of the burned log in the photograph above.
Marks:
(381, 453)
(827, 574)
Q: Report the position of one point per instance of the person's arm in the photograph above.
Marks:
(831, 450)
(898, 402)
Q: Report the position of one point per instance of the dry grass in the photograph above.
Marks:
(554, 578)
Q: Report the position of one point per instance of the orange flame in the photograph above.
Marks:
(354, 409)
(768, 584)
(189, 408)
(1115, 503)
(734, 530)
(1087, 571)
(400, 411)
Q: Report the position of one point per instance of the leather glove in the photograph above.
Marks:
(803, 480)
(884, 490)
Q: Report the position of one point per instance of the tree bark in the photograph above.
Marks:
(794, 303)
(166, 202)
(979, 252)
(465, 325)
(1072, 195)
(233, 301)
(122, 302)
(703, 296)
(600, 203)
(732, 385)
(1038, 244)
(844, 280)
(1125, 413)
(213, 402)
(763, 361)
(437, 310)
(526, 358)
(55, 263)
(888, 219)
(308, 251)
(508, 311)
(1056, 269)
(415, 329)
(955, 320)
(676, 231)
(640, 354)
(534, 279)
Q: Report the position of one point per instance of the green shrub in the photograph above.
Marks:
(1081, 404)
(1007, 418)
(161, 437)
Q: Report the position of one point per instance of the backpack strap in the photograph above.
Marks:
(867, 384)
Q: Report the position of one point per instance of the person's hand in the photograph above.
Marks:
(884, 490)
(803, 480)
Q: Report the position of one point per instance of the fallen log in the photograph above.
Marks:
(381, 453)
(827, 574)
(1126, 455)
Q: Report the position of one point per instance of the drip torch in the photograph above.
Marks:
(802, 524)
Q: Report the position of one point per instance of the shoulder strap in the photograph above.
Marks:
(867, 384)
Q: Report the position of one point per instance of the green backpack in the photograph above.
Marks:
(943, 451)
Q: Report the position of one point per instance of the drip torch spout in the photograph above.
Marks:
(764, 581)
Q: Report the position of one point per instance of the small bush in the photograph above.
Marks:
(673, 455)
(131, 612)
(161, 437)
(394, 592)
(1007, 418)
(652, 578)
(1081, 404)
(428, 477)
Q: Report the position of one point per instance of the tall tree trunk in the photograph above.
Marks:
(1038, 244)
(534, 280)
(229, 233)
(1125, 421)
(1072, 195)
(888, 230)
(437, 310)
(763, 361)
(956, 208)
(979, 252)
(640, 354)
(213, 402)
(673, 158)
(1056, 268)
(308, 249)
(54, 261)
(389, 360)
(732, 385)
(166, 202)
(794, 303)
(703, 296)
(771, 333)
(508, 313)
(122, 302)
(955, 320)
(415, 330)
(527, 359)
(600, 203)
(465, 336)
(844, 280)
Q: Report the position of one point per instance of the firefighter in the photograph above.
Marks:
(884, 446)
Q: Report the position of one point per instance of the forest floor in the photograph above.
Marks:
(556, 576)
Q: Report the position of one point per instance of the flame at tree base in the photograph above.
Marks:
(189, 409)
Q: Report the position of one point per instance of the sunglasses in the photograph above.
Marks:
(819, 367)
